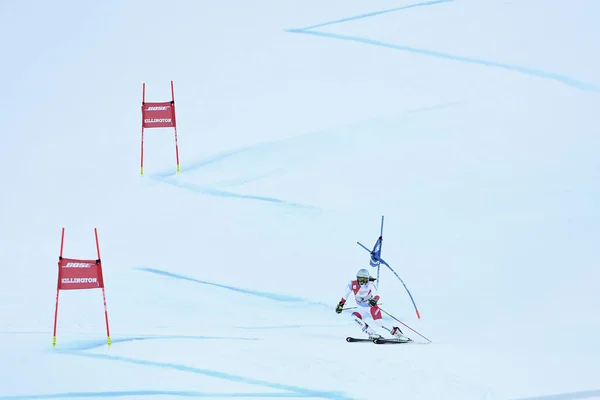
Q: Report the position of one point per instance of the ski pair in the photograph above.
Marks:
(350, 339)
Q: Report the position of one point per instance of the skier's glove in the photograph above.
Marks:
(339, 307)
(373, 302)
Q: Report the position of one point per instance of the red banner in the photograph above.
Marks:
(74, 274)
(158, 115)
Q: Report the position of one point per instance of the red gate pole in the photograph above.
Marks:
(142, 154)
(103, 292)
(62, 241)
(175, 126)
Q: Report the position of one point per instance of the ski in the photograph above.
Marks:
(391, 341)
(350, 339)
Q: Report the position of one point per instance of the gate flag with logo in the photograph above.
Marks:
(158, 115)
(77, 274)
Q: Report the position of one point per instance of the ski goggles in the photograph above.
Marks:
(362, 281)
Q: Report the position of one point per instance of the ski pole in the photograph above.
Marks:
(352, 308)
(404, 324)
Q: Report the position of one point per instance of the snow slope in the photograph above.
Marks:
(471, 125)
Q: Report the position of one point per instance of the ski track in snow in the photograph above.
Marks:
(298, 391)
(567, 396)
(266, 295)
(271, 296)
(375, 13)
(564, 79)
(94, 344)
(169, 177)
(224, 193)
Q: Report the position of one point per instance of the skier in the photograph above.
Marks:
(366, 297)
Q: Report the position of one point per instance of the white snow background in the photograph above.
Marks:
(471, 125)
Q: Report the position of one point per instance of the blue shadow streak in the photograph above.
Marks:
(128, 393)
(165, 178)
(223, 193)
(202, 163)
(568, 396)
(271, 296)
(566, 80)
(94, 344)
(242, 181)
(372, 14)
(301, 392)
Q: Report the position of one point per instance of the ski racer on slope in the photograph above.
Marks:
(366, 297)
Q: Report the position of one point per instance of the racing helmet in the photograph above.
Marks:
(362, 277)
